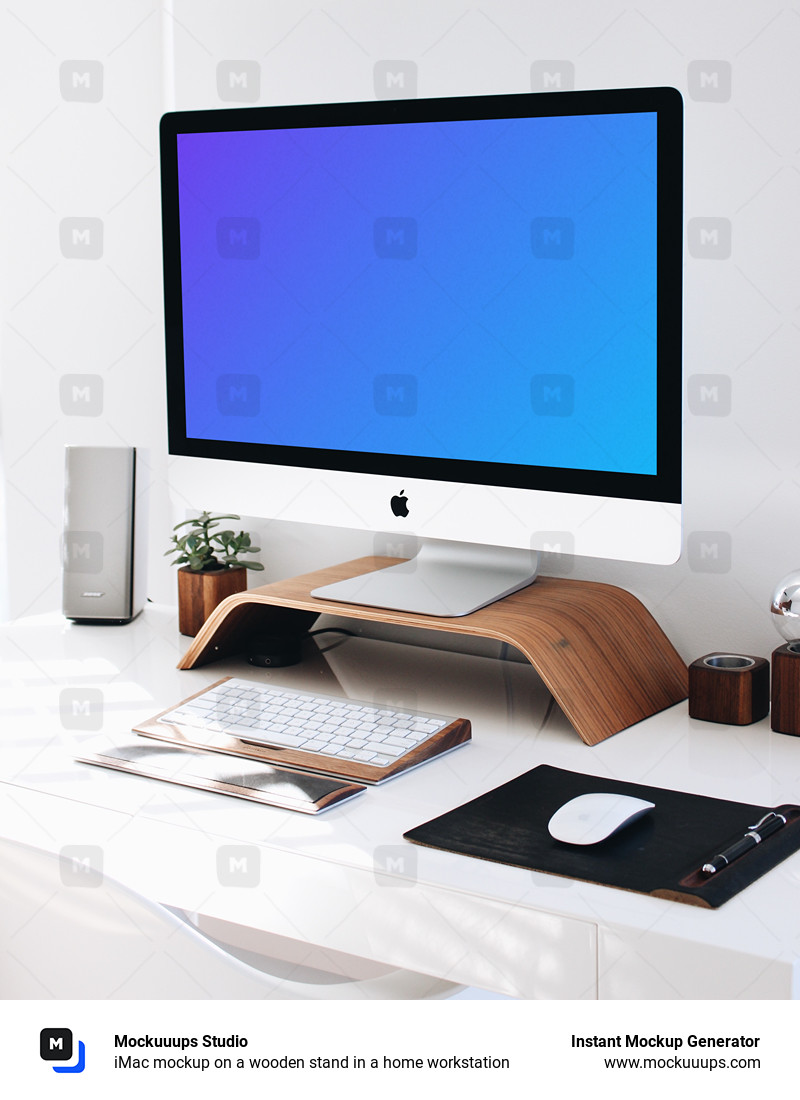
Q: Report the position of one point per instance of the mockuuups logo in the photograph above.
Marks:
(55, 1045)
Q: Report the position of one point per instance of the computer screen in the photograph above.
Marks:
(456, 317)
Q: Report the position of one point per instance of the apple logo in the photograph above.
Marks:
(399, 504)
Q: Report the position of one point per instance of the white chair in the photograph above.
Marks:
(64, 941)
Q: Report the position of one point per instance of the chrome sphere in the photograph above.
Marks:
(786, 607)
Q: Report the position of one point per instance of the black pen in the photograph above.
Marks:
(769, 823)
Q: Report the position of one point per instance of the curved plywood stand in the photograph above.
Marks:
(602, 655)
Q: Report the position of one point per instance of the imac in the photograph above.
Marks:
(457, 319)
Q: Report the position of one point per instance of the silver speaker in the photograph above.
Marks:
(103, 566)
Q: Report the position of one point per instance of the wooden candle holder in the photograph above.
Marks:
(730, 688)
(599, 651)
(786, 689)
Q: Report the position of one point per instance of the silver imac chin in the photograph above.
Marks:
(475, 543)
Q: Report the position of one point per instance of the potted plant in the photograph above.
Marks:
(210, 567)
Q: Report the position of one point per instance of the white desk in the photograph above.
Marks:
(346, 880)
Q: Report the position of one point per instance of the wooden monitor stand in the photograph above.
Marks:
(598, 650)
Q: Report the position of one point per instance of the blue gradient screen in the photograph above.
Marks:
(480, 290)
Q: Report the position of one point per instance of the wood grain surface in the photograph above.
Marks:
(785, 717)
(599, 651)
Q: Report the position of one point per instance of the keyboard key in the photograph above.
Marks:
(241, 729)
(285, 740)
(389, 751)
(401, 742)
(416, 735)
(333, 750)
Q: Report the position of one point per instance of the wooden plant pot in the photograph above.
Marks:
(199, 594)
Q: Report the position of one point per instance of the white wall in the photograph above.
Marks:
(71, 154)
(81, 339)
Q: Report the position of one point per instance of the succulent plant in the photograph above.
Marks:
(203, 549)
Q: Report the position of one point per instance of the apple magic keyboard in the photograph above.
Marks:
(300, 729)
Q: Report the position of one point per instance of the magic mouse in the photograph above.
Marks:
(590, 818)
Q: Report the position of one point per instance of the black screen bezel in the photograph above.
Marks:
(666, 103)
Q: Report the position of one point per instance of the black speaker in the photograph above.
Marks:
(102, 547)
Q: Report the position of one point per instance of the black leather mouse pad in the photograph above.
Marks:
(660, 854)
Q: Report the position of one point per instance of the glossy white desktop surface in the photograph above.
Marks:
(346, 880)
